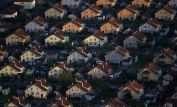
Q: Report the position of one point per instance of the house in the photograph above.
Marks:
(14, 68)
(20, 101)
(57, 11)
(173, 3)
(56, 38)
(32, 54)
(119, 55)
(74, 26)
(91, 12)
(8, 13)
(128, 13)
(151, 72)
(18, 37)
(3, 54)
(167, 79)
(112, 26)
(115, 102)
(136, 40)
(26, 4)
(141, 3)
(80, 89)
(132, 89)
(71, 3)
(81, 54)
(97, 39)
(36, 25)
(40, 89)
(166, 13)
(167, 56)
(106, 3)
(151, 26)
(101, 70)
(59, 68)
(61, 102)
(5, 90)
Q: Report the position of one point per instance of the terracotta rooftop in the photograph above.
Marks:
(58, 7)
(139, 35)
(103, 66)
(40, 21)
(19, 101)
(42, 84)
(121, 50)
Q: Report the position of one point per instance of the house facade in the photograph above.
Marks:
(173, 3)
(80, 89)
(27, 4)
(40, 89)
(119, 55)
(141, 3)
(81, 54)
(57, 11)
(71, 3)
(37, 25)
(97, 39)
(112, 26)
(135, 41)
(18, 37)
(56, 38)
(106, 3)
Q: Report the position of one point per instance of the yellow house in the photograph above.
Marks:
(57, 37)
(141, 3)
(112, 26)
(18, 37)
(57, 11)
(74, 26)
(167, 13)
(14, 68)
(106, 2)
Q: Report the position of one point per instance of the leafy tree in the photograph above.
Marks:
(65, 76)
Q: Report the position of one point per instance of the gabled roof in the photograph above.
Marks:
(169, 9)
(58, 7)
(98, 34)
(153, 23)
(168, 52)
(82, 85)
(17, 65)
(151, 68)
(42, 84)
(60, 34)
(24, 0)
(63, 65)
(39, 20)
(62, 102)
(78, 22)
(36, 50)
(114, 22)
(139, 35)
(95, 9)
(116, 102)
(121, 50)
(21, 33)
(19, 101)
(83, 51)
(103, 66)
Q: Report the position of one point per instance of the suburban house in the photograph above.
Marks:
(91, 12)
(7, 14)
(27, 4)
(151, 26)
(128, 13)
(71, 3)
(173, 3)
(57, 11)
(136, 40)
(167, 13)
(119, 55)
(74, 26)
(32, 54)
(101, 70)
(18, 37)
(20, 101)
(112, 26)
(61, 102)
(40, 89)
(36, 25)
(97, 39)
(151, 72)
(141, 3)
(3, 54)
(167, 56)
(59, 68)
(80, 89)
(132, 89)
(115, 102)
(106, 3)
(56, 38)
(81, 54)
(13, 68)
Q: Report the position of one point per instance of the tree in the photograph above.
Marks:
(65, 76)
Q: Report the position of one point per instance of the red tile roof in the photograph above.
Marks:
(116, 102)
(60, 34)
(62, 102)
(121, 50)
(153, 22)
(40, 21)
(168, 52)
(139, 35)
(98, 34)
(103, 66)
(58, 7)
(83, 50)
(42, 84)
(17, 65)
(133, 86)
(151, 68)
(63, 65)
(21, 33)
(19, 101)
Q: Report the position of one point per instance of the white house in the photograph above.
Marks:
(81, 54)
(173, 3)
(59, 68)
(37, 25)
(151, 26)
(79, 89)
(57, 37)
(96, 40)
(71, 3)
(135, 41)
(27, 4)
(102, 69)
(40, 89)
